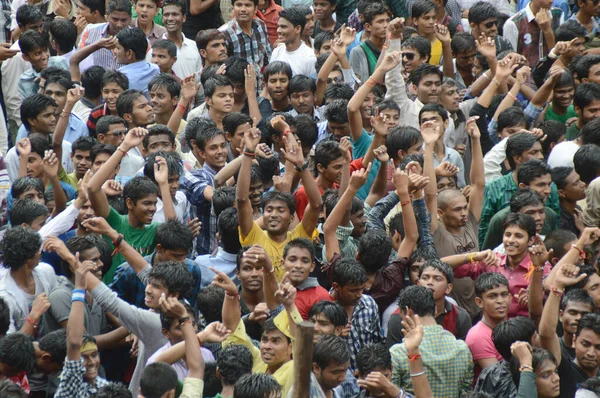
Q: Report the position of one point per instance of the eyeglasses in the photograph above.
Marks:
(408, 56)
(120, 133)
(489, 25)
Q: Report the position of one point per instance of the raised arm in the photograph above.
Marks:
(24, 150)
(75, 327)
(411, 233)
(413, 335)
(379, 188)
(161, 176)
(251, 140)
(543, 95)
(73, 95)
(431, 132)
(84, 52)
(477, 176)
(250, 85)
(51, 164)
(189, 89)
(232, 315)
(509, 100)
(443, 34)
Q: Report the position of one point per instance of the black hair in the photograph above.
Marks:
(538, 357)
(386, 104)
(227, 225)
(33, 105)
(523, 221)
(24, 184)
(583, 66)
(569, 30)
(270, 326)
(419, 43)
(371, 357)
(585, 94)
(421, 7)
(16, 350)
(524, 197)
(206, 36)
(277, 67)
(327, 151)
(557, 239)
(173, 235)
(234, 362)
(423, 252)
(589, 321)
(348, 272)
(86, 242)
(101, 148)
(8, 389)
(301, 83)
(95, 5)
(40, 144)
(306, 130)
(126, 100)
(203, 136)
(412, 157)
(104, 123)
(64, 33)
(214, 82)
(157, 379)
(590, 134)
(321, 38)
(60, 79)
(517, 144)
(374, 9)
(402, 138)
(338, 92)
(424, 70)
(587, 269)
(554, 131)
(330, 349)
(116, 77)
(235, 69)
(91, 79)
(272, 196)
(508, 332)
(233, 120)
(19, 245)
(587, 162)
(158, 129)
(166, 321)
(481, 11)
(294, 16)
(55, 344)
(25, 211)
(434, 108)
(134, 39)
(223, 198)
(193, 127)
(210, 302)
(566, 80)
(174, 276)
(166, 45)
(462, 42)
(179, 3)
(439, 265)
(511, 117)
(113, 390)
(488, 281)
(577, 296)
(268, 167)
(138, 188)
(256, 385)
(28, 14)
(212, 384)
(164, 80)
(120, 6)
(374, 250)
(332, 311)
(591, 384)
(531, 170)
(418, 299)
(83, 144)
(4, 317)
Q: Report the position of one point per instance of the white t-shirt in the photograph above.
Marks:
(302, 60)
(562, 154)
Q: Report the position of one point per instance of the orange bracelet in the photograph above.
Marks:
(413, 358)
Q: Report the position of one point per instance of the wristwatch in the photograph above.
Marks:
(300, 169)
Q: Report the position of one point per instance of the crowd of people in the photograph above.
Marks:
(183, 183)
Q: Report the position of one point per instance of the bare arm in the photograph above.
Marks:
(51, 164)
(251, 140)
(477, 173)
(197, 7)
(411, 232)
(228, 171)
(323, 75)
(250, 84)
(189, 89)
(430, 133)
(84, 52)
(443, 35)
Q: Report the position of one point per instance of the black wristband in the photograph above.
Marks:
(300, 169)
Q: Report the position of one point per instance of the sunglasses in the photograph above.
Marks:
(489, 25)
(408, 56)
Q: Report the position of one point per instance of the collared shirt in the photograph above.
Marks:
(450, 155)
(103, 57)
(222, 261)
(446, 360)
(28, 81)
(365, 327)
(139, 74)
(4, 21)
(95, 115)
(130, 288)
(516, 277)
(255, 49)
(271, 17)
(317, 114)
(195, 182)
(72, 384)
(181, 205)
(188, 58)
(75, 129)
(155, 33)
(12, 69)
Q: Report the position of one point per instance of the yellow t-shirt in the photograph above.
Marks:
(274, 249)
(436, 53)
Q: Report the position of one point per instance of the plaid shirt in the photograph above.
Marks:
(5, 21)
(195, 182)
(496, 197)
(446, 360)
(72, 384)
(256, 49)
(365, 327)
(103, 57)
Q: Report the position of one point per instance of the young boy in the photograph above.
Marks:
(463, 50)
(173, 162)
(146, 10)
(111, 130)
(235, 124)
(234, 362)
(324, 10)
(92, 11)
(424, 15)
(80, 156)
(164, 54)
(164, 92)
(374, 364)
(130, 51)
(218, 94)
(188, 59)
(113, 84)
(277, 76)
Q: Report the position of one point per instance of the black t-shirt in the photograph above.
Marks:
(209, 19)
(571, 376)
(318, 29)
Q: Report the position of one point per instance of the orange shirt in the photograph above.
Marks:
(271, 17)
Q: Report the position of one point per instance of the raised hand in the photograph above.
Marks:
(215, 332)
(24, 147)
(82, 187)
(395, 28)
(378, 124)
(195, 226)
(588, 236)
(416, 182)
(486, 46)
(257, 256)
(381, 154)
(506, 66)
(442, 33)
(278, 123)
(568, 275)
(112, 188)
(359, 177)
(523, 74)
(189, 87)
(51, 164)
(347, 35)
(281, 184)
(75, 94)
(54, 244)
(81, 270)
(61, 8)
(338, 48)
(286, 294)
(263, 151)
(99, 225)
(561, 48)
(538, 253)
(161, 170)
(390, 61)
(431, 132)
(292, 151)
(522, 352)
(250, 82)
(413, 167)
(472, 128)
(251, 139)
(413, 333)
(40, 305)
(224, 282)
(134, 138)
(400, 180)
(260, 314)
(446, 169)
(345, 147)
(172, 307)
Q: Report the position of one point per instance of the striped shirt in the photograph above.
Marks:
(103, 57)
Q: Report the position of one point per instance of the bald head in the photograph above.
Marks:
(448, 197)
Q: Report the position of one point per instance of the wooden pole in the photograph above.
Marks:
(303, 353)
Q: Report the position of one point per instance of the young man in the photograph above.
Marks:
(146, 10)
(324, 10)
(212, 47)
(331, 358)
(294, 51)
(63, 36)
(483, 20)
(574, 305)
(587, 16)
(235, 124)
(302, 91)
(493, 298)
(587, 107)
(424, 14)
(140, 195)
(570, 190)
(130, 52)
(233, 363)
(113, 84)
(258, 385)
(245, 32)
(415, 51)
(164, 54)
(165, 90)
(463, 49)
(219, 97)
(278, 208)
(119, 17)
(447, 361)
(533, 39)
(81, 156)
(363, 57)
(91, 81)
(91, 11)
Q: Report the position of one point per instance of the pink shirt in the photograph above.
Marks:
(479, 340)
(516, 279)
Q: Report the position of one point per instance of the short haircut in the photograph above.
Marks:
(583, 66)
(33, 105)
(174, 164)
(55, 344)
(402, 138)
(95, 5)
(214, 82)
(481, 11)
(462, 42)
(113, 390)
(204, 136)
(306, 130)
(338, 91)
(570, 30)
(374, 9)
(374, 249)
(194, 127)
(169, 82)
(120, 6)
(386, 104)
(522, 221)
(488, 281)
(577, 296)
(434, 108)
(168, 321)
(206, 36)
(294, 16)
(156, 130)
(227, 225)
(223, 198)
(511, 117)
(419, 43)
(301, 83)
(300, 243)
(168, 45)
(585, 94)
(372, 357)
(424, 70)
(173, 235)
(126, 100)
(348, 272)
(116, 77)
(418, 299)
(532, 170)
(234, 362)
(134, 39)
(104, 123)
(138, 188)
(273, 196)
(179, 3)
(517, 144)
(321, 38)
(209, 303)
(101, 148)
(19, 245)
(28, 14)
(276, 67)
(424, 253)
(555, 131)
(331, 349)
(336, 111)
(83, 144)
(17, 350)
(332, 311)
(24, 184)
(64, 33)
(157, 379)
(233, 120)
(557, 239)
(256, 385)
(590, 133)
(439, 265)
(538, 357)
(510, 331)
(523, 198)
(566, 80)
(87, 242)
(422, 7)
(589, 321)
(40, 144)
(587, 162)
(25, 211)
(235, 69)
(61, 80)
(327, 151)
(91, 80)
(174, 276)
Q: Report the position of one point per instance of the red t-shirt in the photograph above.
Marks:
(305, 299)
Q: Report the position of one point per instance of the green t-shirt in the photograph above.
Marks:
(552, 115)
(157, 19)
(572, 132)
(141, 240)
